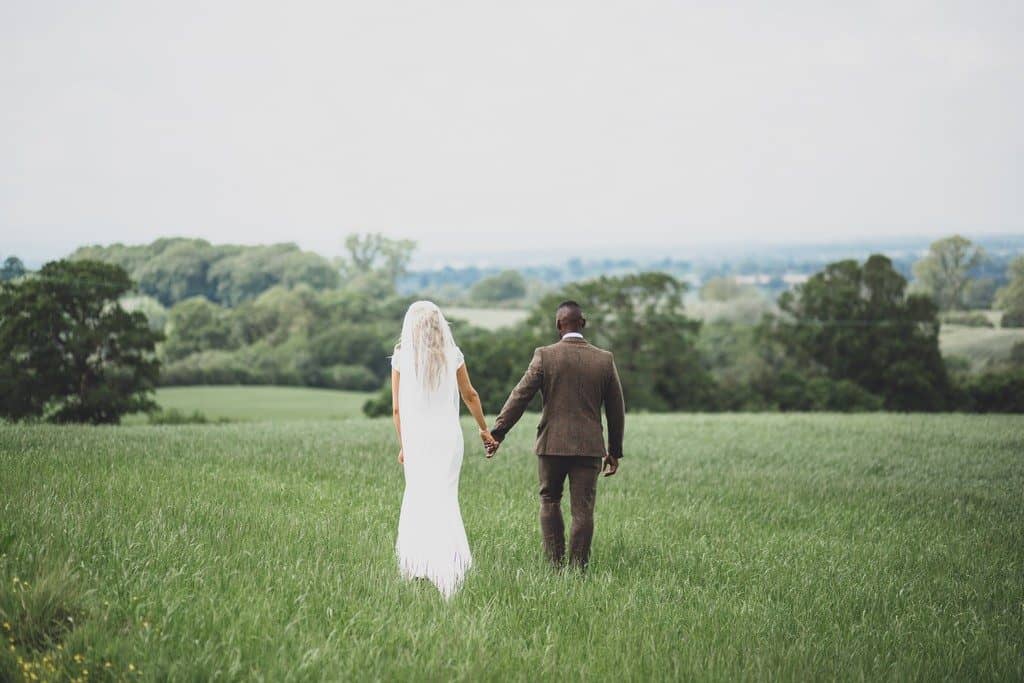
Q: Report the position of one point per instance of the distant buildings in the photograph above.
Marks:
(765, 279)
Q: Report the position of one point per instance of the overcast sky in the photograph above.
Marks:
(478, 125)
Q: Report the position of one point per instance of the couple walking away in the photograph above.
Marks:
(429, 375)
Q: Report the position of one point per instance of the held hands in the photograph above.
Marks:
(610, 465)
(490, 443)
(401, 456)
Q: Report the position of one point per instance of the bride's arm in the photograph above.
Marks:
(395, 417)
(472, 400)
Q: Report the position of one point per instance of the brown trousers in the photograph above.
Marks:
(583, 472)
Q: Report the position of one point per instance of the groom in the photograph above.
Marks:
(575, 379)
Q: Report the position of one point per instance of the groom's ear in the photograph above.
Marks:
(583, 323)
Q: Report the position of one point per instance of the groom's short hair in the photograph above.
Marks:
(574, 310)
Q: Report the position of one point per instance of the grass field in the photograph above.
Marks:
(979, 345)
(259, 403)
(866, 547)
(487, 318)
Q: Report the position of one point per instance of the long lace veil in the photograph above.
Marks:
(426, 351)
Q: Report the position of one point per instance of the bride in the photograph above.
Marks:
(428, 375)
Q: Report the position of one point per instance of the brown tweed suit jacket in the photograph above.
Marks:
(575, 379)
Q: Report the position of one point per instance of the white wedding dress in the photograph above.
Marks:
(432, 540)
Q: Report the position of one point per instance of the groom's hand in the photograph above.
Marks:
(611, 465)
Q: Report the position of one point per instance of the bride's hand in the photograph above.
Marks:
(490, 443)
(401, 456)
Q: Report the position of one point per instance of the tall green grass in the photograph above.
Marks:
(728, 548)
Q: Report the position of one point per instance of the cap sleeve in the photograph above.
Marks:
(396, 360)
(459, 359)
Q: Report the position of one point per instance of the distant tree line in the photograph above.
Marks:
(852, 338)
(957, 273)
(80, 341)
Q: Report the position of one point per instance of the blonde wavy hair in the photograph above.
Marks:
(426, 343)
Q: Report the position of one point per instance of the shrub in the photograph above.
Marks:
(1013, 318)
(1017, 354)
(379, 404)
(795, 391)
(841, 396)
(208, 367)
(996, 392)
(289, 364)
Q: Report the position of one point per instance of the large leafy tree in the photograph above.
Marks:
(945, 272)
(859, 324)
(68, 351)
(375, 262)
(640, 318)
(252, 270)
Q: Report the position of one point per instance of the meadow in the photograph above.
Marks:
(258, 403)
(729, 547)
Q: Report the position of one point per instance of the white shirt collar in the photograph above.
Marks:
(572, 335)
